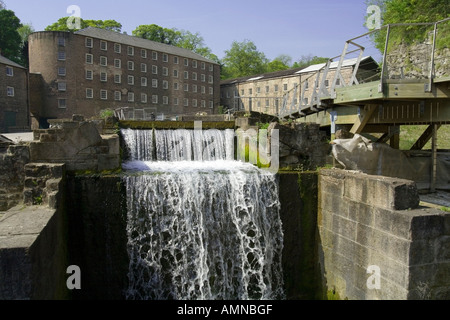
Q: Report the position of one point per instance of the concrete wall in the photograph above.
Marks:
(369, 221)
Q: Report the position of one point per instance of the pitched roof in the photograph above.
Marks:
(140, 42)
(276, 74)
(8, 62)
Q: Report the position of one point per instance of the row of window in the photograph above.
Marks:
(89, 42)
(276, 88)
(62, 103)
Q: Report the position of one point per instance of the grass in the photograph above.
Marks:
(410, 134)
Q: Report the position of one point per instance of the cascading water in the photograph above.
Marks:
(201, 226)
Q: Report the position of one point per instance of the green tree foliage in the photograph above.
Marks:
(412, 11)
(306, 61)
(178, 38)
(24, 31)
(61, 25)
(243, 59)
(10, 41)
(282, 62)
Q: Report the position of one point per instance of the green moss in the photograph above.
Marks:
(333, 295)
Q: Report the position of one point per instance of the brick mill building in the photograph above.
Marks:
(14, 113)
(265, 93)
(93, 69)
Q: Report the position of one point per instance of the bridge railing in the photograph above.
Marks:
(413, 51)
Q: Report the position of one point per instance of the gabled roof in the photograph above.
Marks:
(313, 68)
(276, 74)
(334, 64)
(140, 42)
(8, 62)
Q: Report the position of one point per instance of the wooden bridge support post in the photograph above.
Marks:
(433, 158)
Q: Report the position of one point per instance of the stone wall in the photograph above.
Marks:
(367, 221)
(78, 144)
(33, 243)
(12, 175)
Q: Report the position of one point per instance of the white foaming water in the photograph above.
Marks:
(202, 230)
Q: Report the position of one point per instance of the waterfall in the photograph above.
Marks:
(200, 230)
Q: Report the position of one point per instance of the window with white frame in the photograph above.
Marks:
(154, 83)
(143, 67)
(89, 75)
(130, 65)
(175, 101)
(175, 86)
(155, 69)
(186, 87)
(143, 82)
(62, 103)
(144, 53)
(165, 57)
(155, 99)
(194, 63)
(89, 58)
(165, 71)
(10, 91)
(194, 76)
(117, 48)
(62, 86)
(130, 80)
(211, 104)
(130, 96)
(175, 60)
(165, 84)
(9, 71)
(103, 45)
(210, 79)
(194, 88)
(211, 68)
(104, 94)
(165, 100)
(186, 62)
(61, 56)
(202, 78)
(130, 51)
(194, 103)
(203, 66)
(103, 77)
(118, 78)
(61, 71)
(203, 104)
(203, 89)
(103, 61)
(89, 43)
(186, 102)
(154, 55)
(117, 63)
(186, 75)
(143, 97)
(211, 91)
(117, 95)
(89, 93)
(175, 73)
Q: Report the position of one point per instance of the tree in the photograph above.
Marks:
(306, 61)
(243, 59)
(157, 33)
(61, 25)
(2, 5)
(24, 31)
(10, 41)
(411, 11)
(174, 37)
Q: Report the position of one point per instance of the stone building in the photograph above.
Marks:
(92, 70)
(14, 113)
(265, 93)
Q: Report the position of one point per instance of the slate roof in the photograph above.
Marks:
(8, 62)
(140, 42)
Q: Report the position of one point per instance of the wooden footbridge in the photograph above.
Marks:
(410, 87)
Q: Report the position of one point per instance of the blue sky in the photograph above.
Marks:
(293, 27)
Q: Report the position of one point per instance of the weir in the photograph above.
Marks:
(200, 225)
